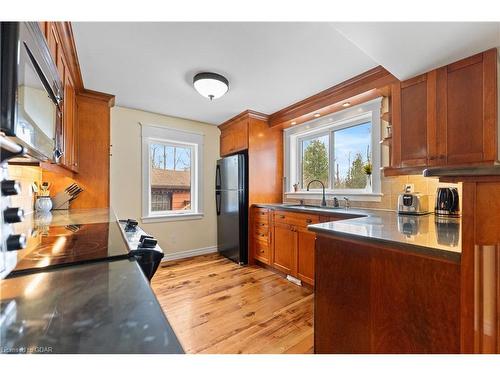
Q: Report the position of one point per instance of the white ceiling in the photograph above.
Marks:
(150, 66)
(407, 49)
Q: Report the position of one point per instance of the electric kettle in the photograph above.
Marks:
(447, 202)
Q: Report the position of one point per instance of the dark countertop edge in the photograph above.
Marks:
(452, 256)
(351, 213)
(360, 213)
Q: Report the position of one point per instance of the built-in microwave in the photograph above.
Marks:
(31, 91)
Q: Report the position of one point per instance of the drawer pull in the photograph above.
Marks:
(309, 221)
(262, 224)
(262, 235)
(282, 216)
(261, 251)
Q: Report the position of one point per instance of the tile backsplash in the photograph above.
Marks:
(391, 188)
(26, 175)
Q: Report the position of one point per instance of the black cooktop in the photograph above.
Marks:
(63, 245)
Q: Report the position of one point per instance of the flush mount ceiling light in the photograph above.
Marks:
(210, 85)
(317, 114)
(346, 104)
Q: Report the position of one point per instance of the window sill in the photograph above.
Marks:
(353, 196)
(172, 217)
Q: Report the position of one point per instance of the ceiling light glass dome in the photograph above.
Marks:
(210, 85)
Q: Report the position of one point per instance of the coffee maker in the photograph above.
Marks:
(447, 202)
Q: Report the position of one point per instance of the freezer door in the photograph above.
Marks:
(227, 173)
(228, 224)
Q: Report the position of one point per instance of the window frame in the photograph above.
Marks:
(152, 134)
(350, 117)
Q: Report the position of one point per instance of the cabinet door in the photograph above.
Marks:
(76, 149)
(305, 255)
(285, 248)
(414, 121)
(70, 120)
(53, 40)
(241, 135)
(467, 110)
(226, 142)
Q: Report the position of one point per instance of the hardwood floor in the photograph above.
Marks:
(216, 306)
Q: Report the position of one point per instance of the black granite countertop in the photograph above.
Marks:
(429, 234)
(104, 307)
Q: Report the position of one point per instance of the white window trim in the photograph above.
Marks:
(162, 134)
(369, 111)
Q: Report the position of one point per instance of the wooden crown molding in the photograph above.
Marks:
(96, 95)
(248, 113)
(375, 78)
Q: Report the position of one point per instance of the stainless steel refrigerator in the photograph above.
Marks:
(231, 200)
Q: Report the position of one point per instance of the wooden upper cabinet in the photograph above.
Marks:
(53, 40)
(467, 110)
(69, 122)
(414, 120)
(234, 137)
(447, 116)
(69, 129)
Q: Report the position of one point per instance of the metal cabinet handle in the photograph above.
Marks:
(282, 216)
(309, 221)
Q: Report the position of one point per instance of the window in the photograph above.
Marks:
(315, 160)
(171, 173)
(352, 152)
(336, 150)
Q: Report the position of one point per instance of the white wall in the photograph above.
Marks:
(126, 179)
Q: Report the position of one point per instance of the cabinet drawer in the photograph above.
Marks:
(261, 251)
(261, 215)
(295, 218)
(261, 234)
(262, 224)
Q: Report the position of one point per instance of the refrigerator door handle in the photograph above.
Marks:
(217, 178)
(217, 202)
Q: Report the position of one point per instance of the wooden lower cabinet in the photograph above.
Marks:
(260, 235)
(293, 246)
(285, 248)
(305, 255)
(373, 299)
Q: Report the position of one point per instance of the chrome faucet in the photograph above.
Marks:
(323, 201)
(347, 203)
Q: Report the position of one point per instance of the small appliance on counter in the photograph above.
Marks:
(447, 202)
(413, 203)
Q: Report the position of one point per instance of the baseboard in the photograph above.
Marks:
(189, 253)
